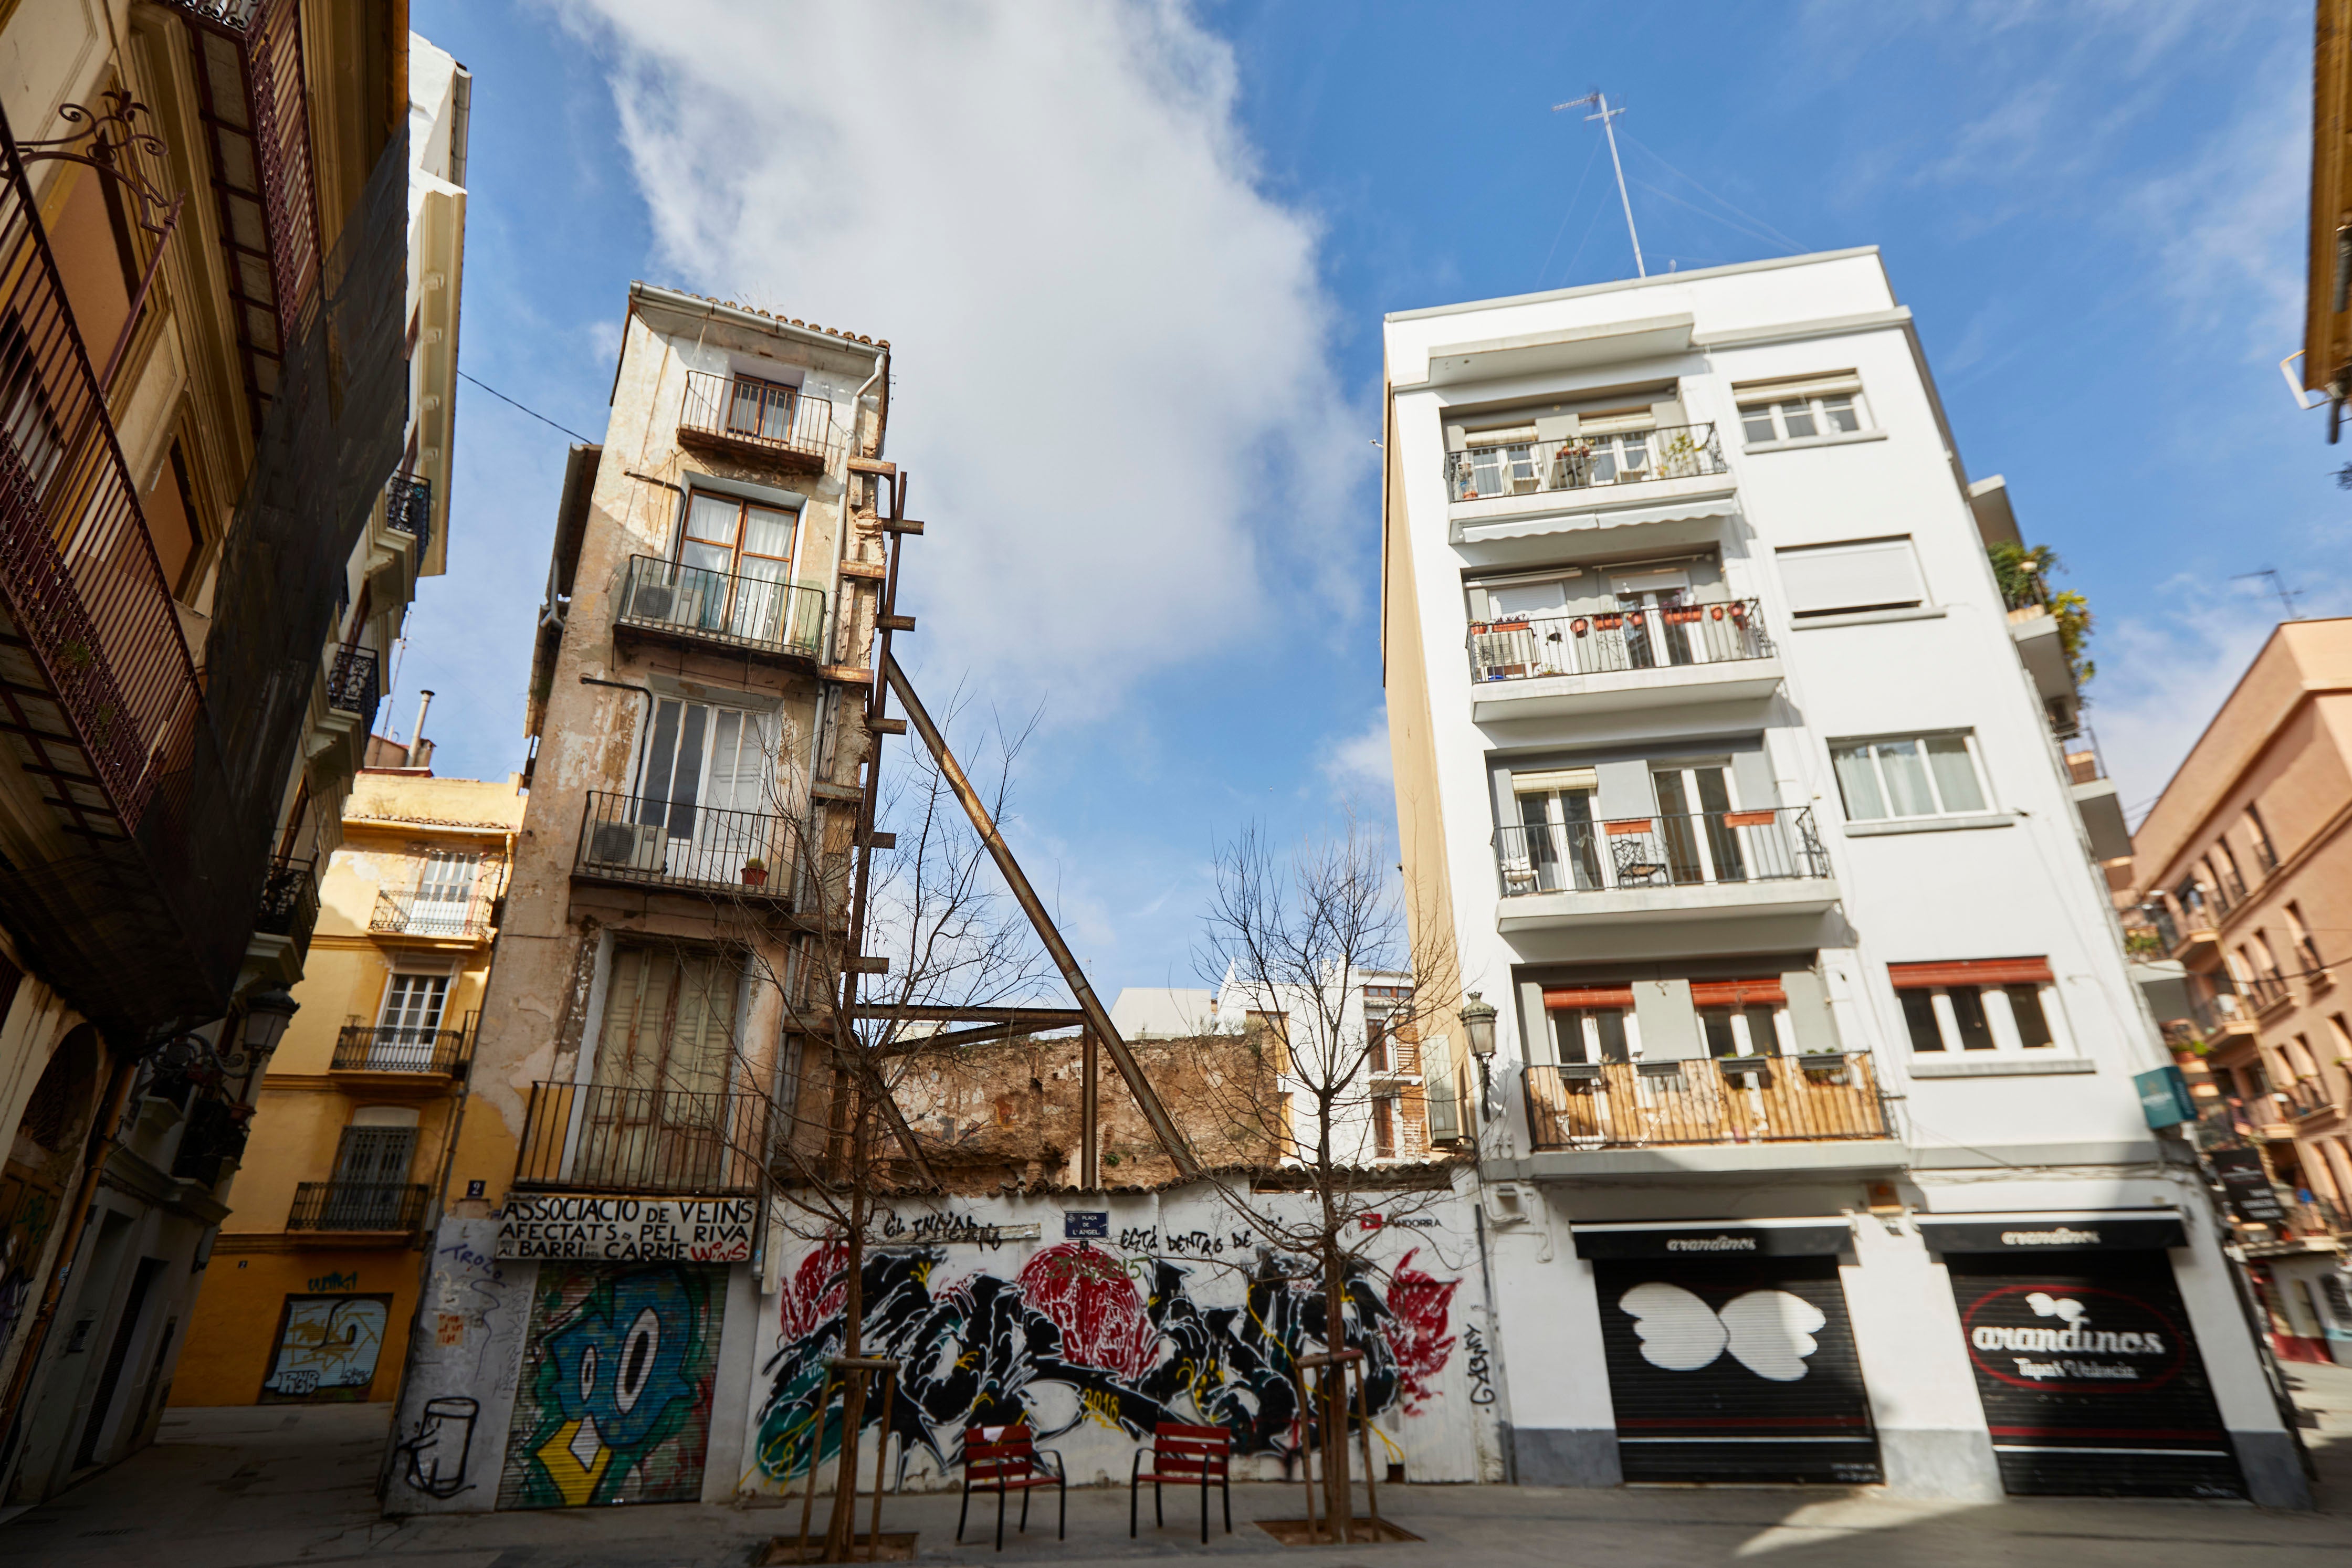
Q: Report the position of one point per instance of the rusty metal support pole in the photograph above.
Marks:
(1097, 1017)
(1364, 1430)
(1089, 1118)
(862, 844)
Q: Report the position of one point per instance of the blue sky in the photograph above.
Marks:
(1133, 259)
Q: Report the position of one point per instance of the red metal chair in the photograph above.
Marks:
(1004, 1460)
(1187, 1456)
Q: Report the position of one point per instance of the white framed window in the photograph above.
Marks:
(1909, 776)
(412, 1005)
(1801, 408)
(1990, 1005)
(1852, 577)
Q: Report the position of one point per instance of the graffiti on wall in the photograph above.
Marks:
(1078, 1335)
(327, 1349)
(614, 1401)
(29, 1210)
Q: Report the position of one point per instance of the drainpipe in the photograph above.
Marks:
(416, 737)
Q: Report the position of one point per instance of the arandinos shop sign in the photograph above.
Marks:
(628, 1230)
(2071, 1339)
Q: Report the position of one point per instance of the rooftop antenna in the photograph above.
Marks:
(2286, 596)
(1607, 116)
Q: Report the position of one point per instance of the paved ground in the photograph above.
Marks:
(263, 1487)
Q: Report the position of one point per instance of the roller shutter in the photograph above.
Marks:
(2091, 1379)
(1734, 1368)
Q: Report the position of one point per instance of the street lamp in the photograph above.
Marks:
(1478, 1022)
(266, 1014)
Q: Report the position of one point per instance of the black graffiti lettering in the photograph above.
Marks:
(1482, 1380)
(1140, 1239)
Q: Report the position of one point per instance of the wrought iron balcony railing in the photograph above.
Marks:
(409, 913)
(1711, 1100)
(290, 902)
(355, 684)
(594, 1137)
(2266, 991)
(729, 609)
(398, 1048)
(408, 509)
(1583, 462)
(2084, 762)
(733, 414)
(2305, 1097)
(1701, 849)
(357, 1206)
(682, 844)
(1602, 644)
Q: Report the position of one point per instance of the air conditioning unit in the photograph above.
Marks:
(632, 846)
(652, 602)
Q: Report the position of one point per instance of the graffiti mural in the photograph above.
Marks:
(615, 1402)
(29, 1210)
(1080, 1337)
(326, 1350)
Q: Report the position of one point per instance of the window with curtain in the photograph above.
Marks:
(669, 1020)
(1908, 776)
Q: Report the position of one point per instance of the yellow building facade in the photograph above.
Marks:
(312, 1284)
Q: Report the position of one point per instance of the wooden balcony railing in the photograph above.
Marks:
(1810, 1097)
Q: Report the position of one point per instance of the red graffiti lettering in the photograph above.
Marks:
(817, 1292)
(1417, 1334)
(1095, 1305)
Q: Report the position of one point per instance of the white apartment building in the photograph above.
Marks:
(1811, 1146)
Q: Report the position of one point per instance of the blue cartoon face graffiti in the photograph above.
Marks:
(622, 1371)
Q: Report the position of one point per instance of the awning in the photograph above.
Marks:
(1798, 1239)
(1969, 972)
(2033, 1234)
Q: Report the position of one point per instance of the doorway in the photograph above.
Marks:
(1700, 846)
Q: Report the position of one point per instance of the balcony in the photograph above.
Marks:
(1560, 484)
(408, 510)
(584, 1137)
(396, 1047)
(2096, 800)
(355, 684)
(2267, 991)
(2306, 1098)
(386, 1206)
(1829, 1096)
(1699, 866)
(692, 607)
(648, 842)
(466, 918)
(1547, 666)
(288, 913)
(746, 418)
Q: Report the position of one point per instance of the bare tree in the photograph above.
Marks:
(813, 1089)
(1300, 940)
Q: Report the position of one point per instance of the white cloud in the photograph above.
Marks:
(1112, 376)
(2229, 225)
(1359, 766)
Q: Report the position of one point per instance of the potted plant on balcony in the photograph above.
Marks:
(755, 872)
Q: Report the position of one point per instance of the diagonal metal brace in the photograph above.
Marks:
(1097, 1018)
